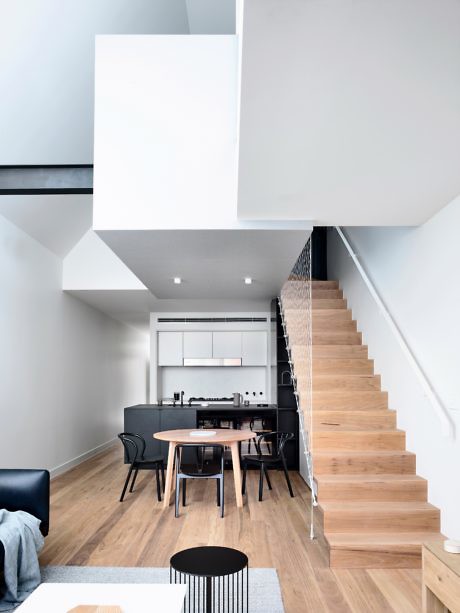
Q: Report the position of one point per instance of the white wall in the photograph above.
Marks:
(415, 272)
(214, 382)
(350, 110)
(165, 126)
(47, 70)
(66, 370)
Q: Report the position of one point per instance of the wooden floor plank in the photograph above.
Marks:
(90, 527)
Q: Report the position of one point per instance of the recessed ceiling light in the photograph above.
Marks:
(248, 280)
(177, 280)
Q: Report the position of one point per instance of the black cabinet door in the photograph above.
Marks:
(288, 421)
(144, 422)
(175, 419)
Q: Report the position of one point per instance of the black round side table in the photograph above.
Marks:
(216, 578)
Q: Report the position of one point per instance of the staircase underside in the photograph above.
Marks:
(373, 506)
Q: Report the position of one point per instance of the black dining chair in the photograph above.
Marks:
(264, 462)
(259, 431)
(134, 445)
(200, 469)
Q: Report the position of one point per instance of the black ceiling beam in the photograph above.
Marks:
(47, 179)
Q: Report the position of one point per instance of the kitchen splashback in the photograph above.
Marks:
(213, 382)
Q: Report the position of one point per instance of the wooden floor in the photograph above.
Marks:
(90, 527)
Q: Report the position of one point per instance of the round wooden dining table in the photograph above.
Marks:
(227, 437)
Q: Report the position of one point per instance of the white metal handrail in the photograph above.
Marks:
(447, 424)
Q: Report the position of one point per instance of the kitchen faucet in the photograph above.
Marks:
(182, 398)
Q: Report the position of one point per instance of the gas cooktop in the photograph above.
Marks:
(201, 399)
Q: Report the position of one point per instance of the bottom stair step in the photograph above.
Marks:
(379, 517)
(401, 550)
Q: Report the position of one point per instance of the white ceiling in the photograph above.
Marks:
(212, 263)
(56, 221)
(133, 307)
(350, 111)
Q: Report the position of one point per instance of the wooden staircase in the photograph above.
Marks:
(373, 506)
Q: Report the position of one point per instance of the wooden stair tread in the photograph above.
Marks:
(335, 420)
(337, 382)
(323, 303)
(378, 550)
(358, 400)
(378, 508)
(364, 539)
(359, 431)
(336, 338)
(369, 454)
(329, 283)
(367, 477)
(334, 351)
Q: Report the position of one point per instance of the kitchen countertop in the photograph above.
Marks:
(210, 407)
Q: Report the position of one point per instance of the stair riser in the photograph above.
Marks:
(354, 420)
(294, 281)
(340, 352)
(324, 284)
(399, 464)
(345, 382)
(328, 338)
(301, 291)
(338, 366)
(408, 557)
(359, 441)
(297, 325)
(317, 304)
(372, 491)
(326, 294)
(397, 521)
(330, 315)
(349, 401)
(334, 352)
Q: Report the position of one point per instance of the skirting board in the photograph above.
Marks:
(63, 468)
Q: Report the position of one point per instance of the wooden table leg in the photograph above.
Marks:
(169, 475)
(431, 603)
(237, 473)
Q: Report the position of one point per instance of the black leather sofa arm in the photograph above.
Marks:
(23, 489)
(27, 490)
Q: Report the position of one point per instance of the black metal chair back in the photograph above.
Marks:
(134, 445)
(278, 439)
(199, 470)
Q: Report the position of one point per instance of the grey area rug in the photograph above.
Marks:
(264, 586)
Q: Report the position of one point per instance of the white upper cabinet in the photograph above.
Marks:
(226, 345)
(170, 349)
(251, 346)
(254, 345)
(197, 344)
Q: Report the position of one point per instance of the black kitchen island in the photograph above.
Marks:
(146, 419)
